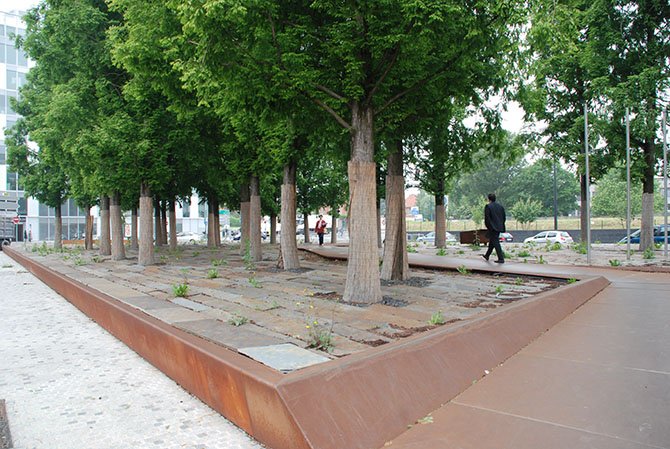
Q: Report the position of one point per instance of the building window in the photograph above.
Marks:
(202, 210)
(3, 154)
(12, 80)
(3, 103)
(11, 181)
(11, 54)
(23, 206)
(186, 208)
(2, 53)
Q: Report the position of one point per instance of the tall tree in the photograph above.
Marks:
(354, 62)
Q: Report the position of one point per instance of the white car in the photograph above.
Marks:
(189, 237)
(550, 236)
(430, 238)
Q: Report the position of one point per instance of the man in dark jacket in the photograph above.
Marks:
(494, 219)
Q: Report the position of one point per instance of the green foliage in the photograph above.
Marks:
(218, 262)
(436, 318)
(320, 336)
(555, 246)
(253, 281)
(540, 259)
(524, 253)
(615, 262)
(248, 258)
(609, 198)
(526, 211)
(180, 290)
(441, 252)
(237, 320)
(580, 248)
(410, 248)
(212, 273)
(648, 253)
(518, 281)
(572, 280)
(462, 269)
(499, 290)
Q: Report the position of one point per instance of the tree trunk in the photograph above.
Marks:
(379, 223)
(305, 220)
(88, 241)
(255, 219)
(157, 222)
(146, 252)
(333, 229)
(118, 250)
(217, 223)
(440, 223)
(395, 263)
(173, 224)
(164, 223)
(287, 239)
(244, 217)
(273, 228)
(647, 225)
(583, 213)
(362, 285)
(105, 243)
(211, 224)
(133, 229)
(58, 231)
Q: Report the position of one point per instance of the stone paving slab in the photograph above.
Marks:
(284, 357)
(173, 315)
(192, 305)
(225, 334)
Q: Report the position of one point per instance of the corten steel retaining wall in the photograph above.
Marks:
(357, 402)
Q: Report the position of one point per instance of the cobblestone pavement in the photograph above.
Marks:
(69, 384)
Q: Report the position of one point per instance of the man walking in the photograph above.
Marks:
(494, 219)
(320, 228)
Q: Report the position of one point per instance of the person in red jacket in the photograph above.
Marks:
(320, 228)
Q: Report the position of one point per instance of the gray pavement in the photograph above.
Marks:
(69, 384)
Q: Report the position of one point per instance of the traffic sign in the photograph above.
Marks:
(16, 220)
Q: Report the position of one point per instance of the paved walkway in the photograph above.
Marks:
(69, 384)
(599, 379)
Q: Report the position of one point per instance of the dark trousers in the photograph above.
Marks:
(320, 234)
(494, 242)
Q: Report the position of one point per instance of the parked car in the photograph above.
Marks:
(506, 237)
(550, 236)
(189, 237)
(659, 234)
(264, 235)
(430, 237)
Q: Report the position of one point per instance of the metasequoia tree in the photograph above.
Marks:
(352, 61)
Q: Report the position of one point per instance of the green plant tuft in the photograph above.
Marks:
(180, 290)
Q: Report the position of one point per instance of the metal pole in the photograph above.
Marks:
(627, 184)
(588, 187)
(665, 181)
(555, 199)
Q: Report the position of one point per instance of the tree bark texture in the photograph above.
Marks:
(362, 285)
(245, 205)
(88, 240)
(164, 224)
(211, 224)
(273, 228)
(58, 231)
(395, 263)
(133, 229)
(217, 223)
(255, 219)
(440, 222)
(647, 224)
(146, 252)
(105, 243)
(287, 239)
(118, 250)
(305, 219)
(379, 223)
(333, 229)
(173, 225)
(157, 223)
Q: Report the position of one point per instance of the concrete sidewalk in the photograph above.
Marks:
(599, 379)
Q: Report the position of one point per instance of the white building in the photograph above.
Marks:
(37, 220)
